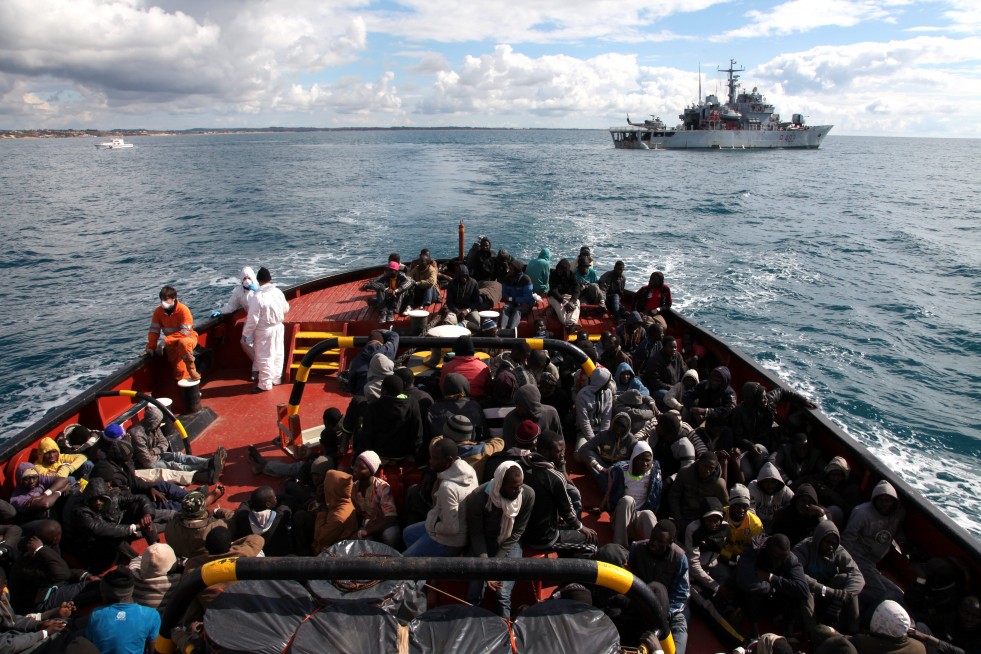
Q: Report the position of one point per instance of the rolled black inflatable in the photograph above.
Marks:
(564, 570)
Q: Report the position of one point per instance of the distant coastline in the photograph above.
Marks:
(98, 133)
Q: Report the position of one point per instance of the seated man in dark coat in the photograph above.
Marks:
(771, 580)
(264, 516)
(103, 521)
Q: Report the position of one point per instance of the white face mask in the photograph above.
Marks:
(167, 306)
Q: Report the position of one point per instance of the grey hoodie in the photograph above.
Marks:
(594, 404)
(869, 534)
(766, 505)
(819, 571)
(446, 522)
(529, 398)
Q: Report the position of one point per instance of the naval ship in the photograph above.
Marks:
(745, 121)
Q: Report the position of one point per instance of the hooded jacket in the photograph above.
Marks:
(152, 572)
(754, 419)
(538, 271)
(21, 496)
(339, 521)
(483, 524)
(64, 466)
(605, 448)
(765, 506)
(240, 294)
(888, 629)
(618, 485)
(634, 384)
(358, 374)
(788, 520)
(446, 522)
(87, 526)
(677, 391)
(457, 402)
(687, 491)
(379, 368)
(638, 407)
(463, 295)
(529, 398)
(594, 404)
(148, 439)
(392, 427)
(868, 535)
(820, 571)
(719, 402)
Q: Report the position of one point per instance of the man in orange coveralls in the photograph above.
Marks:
(180, 339)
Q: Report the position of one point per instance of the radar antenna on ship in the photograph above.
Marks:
(733, 79)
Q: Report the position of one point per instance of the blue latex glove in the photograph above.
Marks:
(215, 314)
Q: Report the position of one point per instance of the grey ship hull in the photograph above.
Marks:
(642, 138)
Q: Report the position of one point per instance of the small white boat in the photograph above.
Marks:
(115, 144)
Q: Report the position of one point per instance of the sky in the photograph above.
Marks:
(868, 67)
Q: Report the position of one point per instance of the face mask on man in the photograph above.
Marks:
(166, 305)
(249, 285)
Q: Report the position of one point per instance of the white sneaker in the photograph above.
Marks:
(406, 311)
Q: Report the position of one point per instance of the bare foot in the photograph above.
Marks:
(216, 494)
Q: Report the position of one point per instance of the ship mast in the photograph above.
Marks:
(699, 98)
(733, 79)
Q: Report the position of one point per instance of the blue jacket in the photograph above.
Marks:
(618, 485)
(520, 293)
(634, 383)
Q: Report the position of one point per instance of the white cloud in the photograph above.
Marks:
(561, 90)
(349, 96)
(136, 55)
(806, 15)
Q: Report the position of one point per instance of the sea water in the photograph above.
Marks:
(852, 271)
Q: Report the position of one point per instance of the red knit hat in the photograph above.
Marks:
(526, 433)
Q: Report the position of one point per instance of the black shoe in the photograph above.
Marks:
(257, 390)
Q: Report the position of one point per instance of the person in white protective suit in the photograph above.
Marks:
(264, 330)
(240, 300)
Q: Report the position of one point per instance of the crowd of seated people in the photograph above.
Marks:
(718, 507)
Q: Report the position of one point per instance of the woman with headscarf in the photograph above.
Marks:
(634, 495)
(594, 406)
(338, 520)
(497, 514)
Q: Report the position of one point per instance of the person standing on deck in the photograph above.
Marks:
(264, 329)
(240, 300)
(174, 320)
